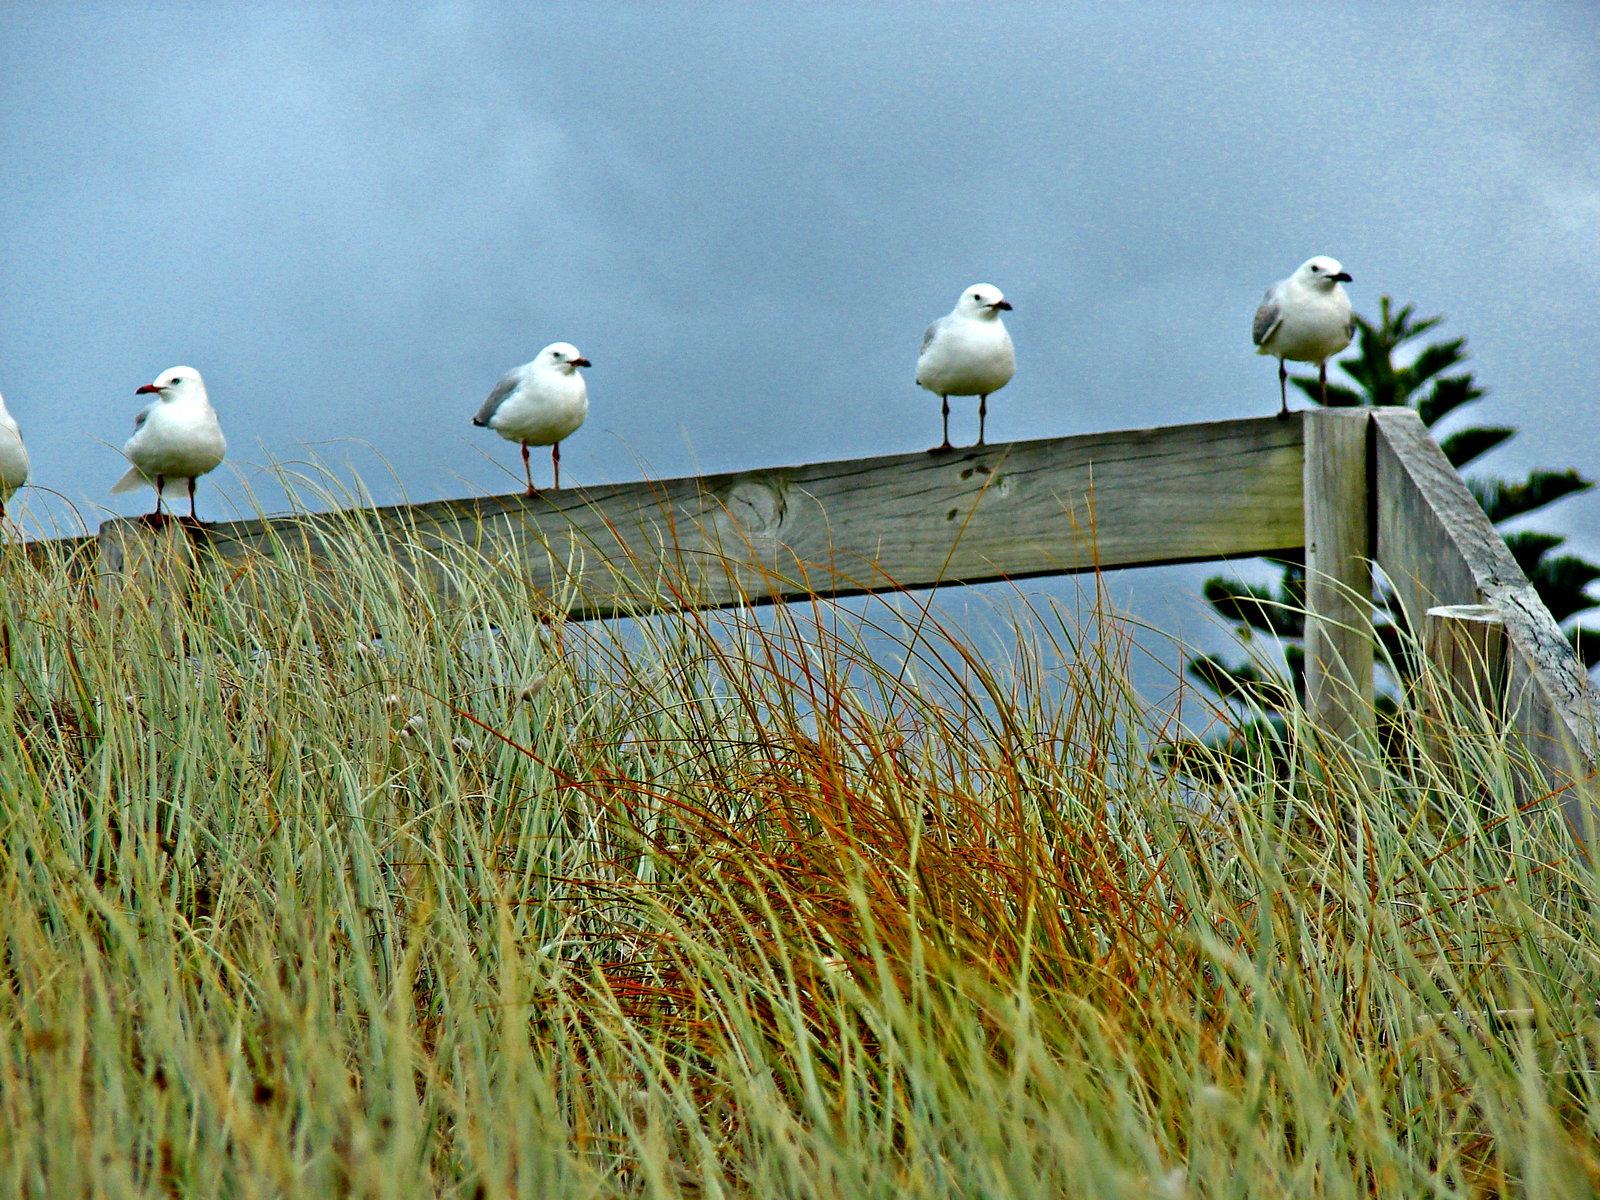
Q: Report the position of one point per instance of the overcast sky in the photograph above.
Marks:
(353, 218)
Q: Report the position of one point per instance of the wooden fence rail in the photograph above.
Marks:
(1139, 498)
(1354, 488)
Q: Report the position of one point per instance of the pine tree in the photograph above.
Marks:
(1433, 384)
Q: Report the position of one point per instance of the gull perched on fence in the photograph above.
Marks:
(1305, 317)
(539, 404)
(13, 458)
(176, 438)
(968, 353)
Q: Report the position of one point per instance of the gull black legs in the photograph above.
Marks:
(944, 411)
(156, 517)
(944, 445)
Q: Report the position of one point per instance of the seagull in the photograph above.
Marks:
(1305, 317)
(13, 458)
(968, 353)
(539, 404)
(176, 439)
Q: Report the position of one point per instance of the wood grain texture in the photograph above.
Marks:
(1134, 498)
(1432, 539)
(1437, 547)
(1339, 640)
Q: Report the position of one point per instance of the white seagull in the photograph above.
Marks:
(539, 404)
(13, 458)
(1305, 317)
(176, 439)
(968, 353)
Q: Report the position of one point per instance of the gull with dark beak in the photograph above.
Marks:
(541, 403)
(176, 439)
(1306, 318)
(968, 353)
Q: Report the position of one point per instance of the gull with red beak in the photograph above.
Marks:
(176, 439)
(968, 353)
(13, 458)
(1306, 318)
(541, 403)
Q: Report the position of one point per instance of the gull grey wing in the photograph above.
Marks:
(497, 397)
(930, 336)
(144, 415)
(1267, 316)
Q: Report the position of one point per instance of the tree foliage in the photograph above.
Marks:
(1435, 384)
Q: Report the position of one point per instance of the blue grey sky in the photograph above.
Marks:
(353, 218)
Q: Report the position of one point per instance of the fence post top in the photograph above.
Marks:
(1467, 612)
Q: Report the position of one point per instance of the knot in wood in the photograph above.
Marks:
(753, 508)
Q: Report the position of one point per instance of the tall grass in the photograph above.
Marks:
(315, 884)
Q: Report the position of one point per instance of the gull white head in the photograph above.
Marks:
(1322, 272)
(176, 383)
(982, 301)
(561, 356)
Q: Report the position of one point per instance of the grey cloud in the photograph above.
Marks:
(354, 218)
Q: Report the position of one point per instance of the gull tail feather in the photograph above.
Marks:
(132, 482)
(175, 486)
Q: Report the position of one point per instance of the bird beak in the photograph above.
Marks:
(149, 387)
(1341, 277)
(1001, 304)
(581, 362)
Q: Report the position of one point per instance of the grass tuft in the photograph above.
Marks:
(316, 883)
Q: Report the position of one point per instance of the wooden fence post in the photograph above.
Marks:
(1466, 645)
(1466, 651)
(1339, 657)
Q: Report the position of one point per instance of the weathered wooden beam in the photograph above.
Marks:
(1339, 639)
(1142, 497)
(1437, 547)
